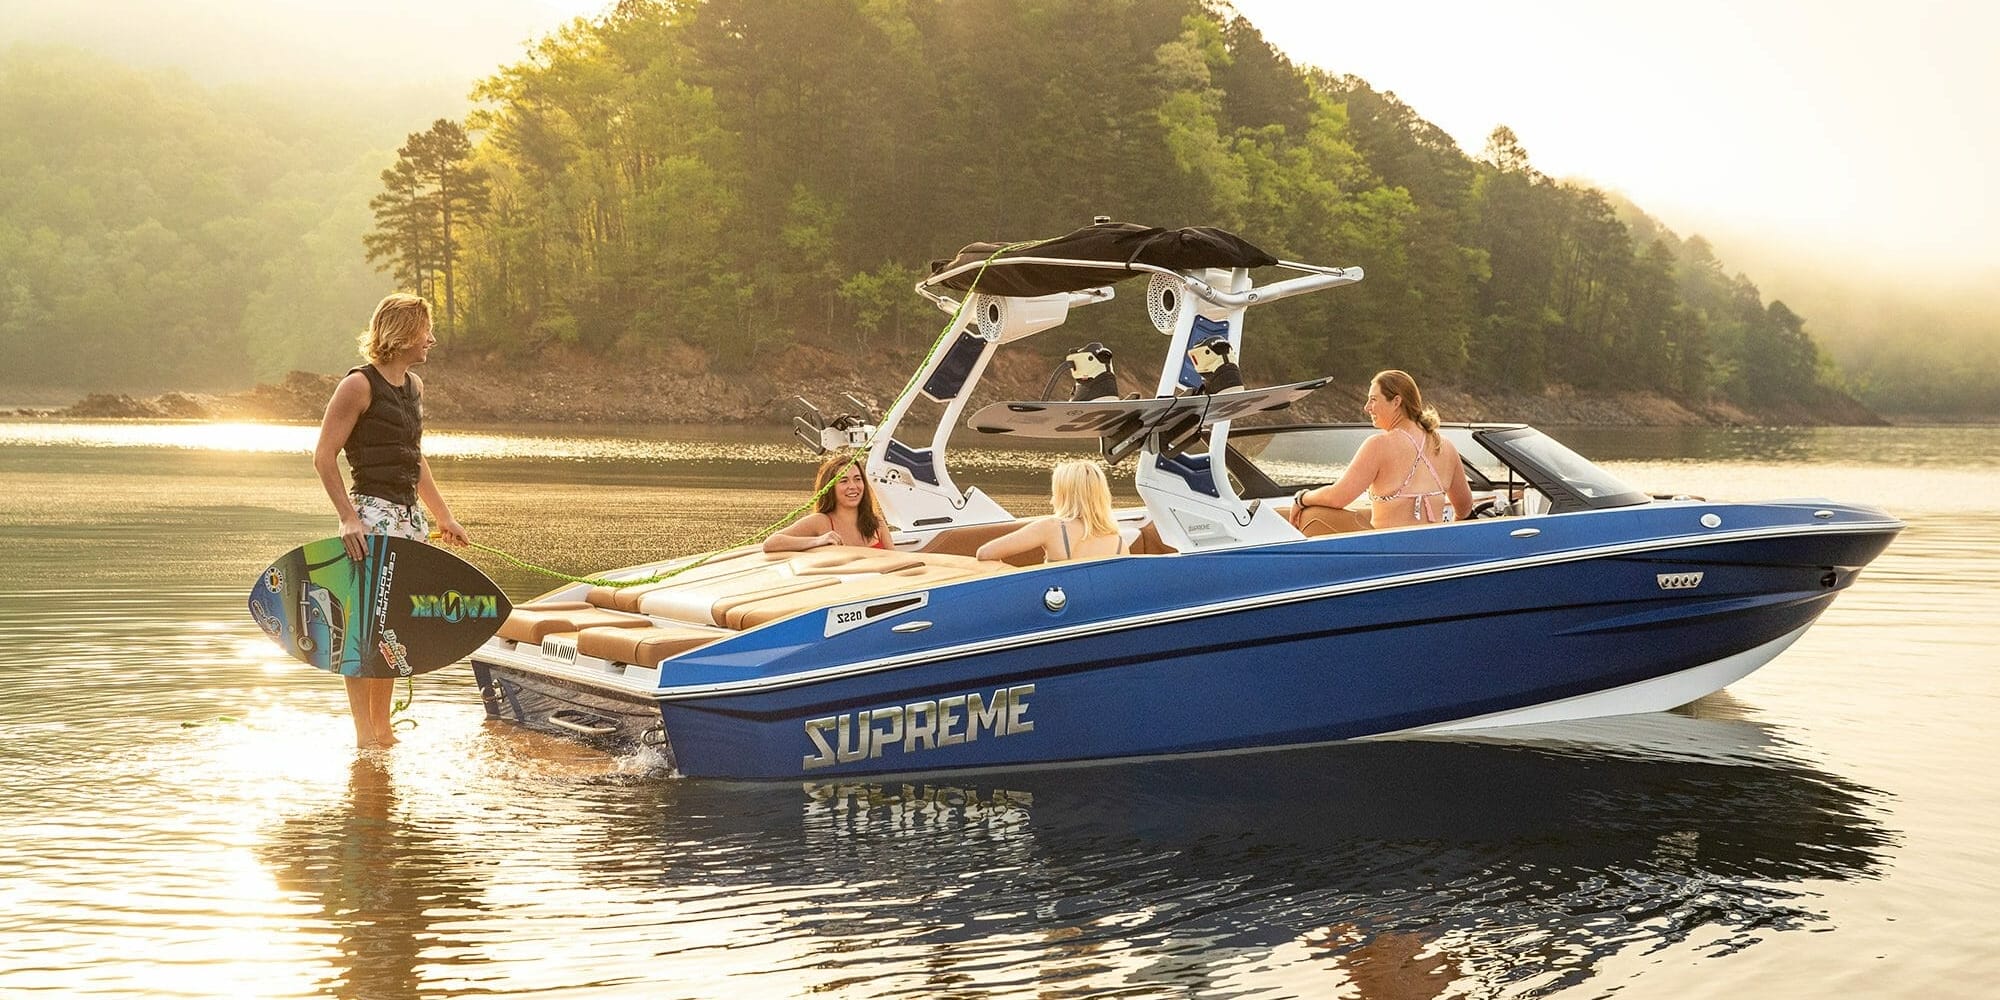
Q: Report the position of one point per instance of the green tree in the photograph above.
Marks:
(143, 219)
(431, 194)
(879, 298)
(1515, 223)
(734, 174)
(405, 236)
(458, 191)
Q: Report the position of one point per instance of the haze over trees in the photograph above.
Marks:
(156, 235)
(739, 175)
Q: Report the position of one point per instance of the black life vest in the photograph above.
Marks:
(387, 441)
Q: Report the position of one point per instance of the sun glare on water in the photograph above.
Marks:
(241, 437)
(688, 444)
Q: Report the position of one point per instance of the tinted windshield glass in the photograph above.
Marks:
(1596, 486)
(1481, 461)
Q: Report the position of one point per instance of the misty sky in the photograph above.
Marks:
(1852, 132)
(1848, 133)
(386, 42)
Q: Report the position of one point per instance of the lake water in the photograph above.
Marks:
(184, 815)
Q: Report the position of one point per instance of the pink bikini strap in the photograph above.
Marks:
(1423, 513)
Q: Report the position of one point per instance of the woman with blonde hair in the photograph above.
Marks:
(376, 416)
(1082, 527)
(843, 513)
(1409, 471)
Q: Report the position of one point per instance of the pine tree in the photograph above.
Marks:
(428, 196)
(403, 240)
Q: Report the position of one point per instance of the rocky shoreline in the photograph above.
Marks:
(680, 388)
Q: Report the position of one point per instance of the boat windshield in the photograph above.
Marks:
(1306, 456)
(1275, 461)
(1545, 458)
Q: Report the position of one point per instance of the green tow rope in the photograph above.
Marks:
(409, 695)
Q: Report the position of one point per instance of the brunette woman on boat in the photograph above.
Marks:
(845, 514)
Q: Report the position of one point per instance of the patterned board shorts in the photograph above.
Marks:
(384, 517)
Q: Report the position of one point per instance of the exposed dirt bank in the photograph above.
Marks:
(672, 387)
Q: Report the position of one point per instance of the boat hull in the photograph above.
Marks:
(1451, 637)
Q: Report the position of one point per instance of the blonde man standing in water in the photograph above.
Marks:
(376, 416)
(1082, 527)
(1409, 470)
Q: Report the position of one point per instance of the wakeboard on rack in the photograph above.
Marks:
(406, 608)
(1122, 424)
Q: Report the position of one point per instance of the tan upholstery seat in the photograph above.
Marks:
(646, 646)
(751, 590)
(967, 540)
(696, 603)
(1149, 542)
(751, 611)
(814, 562)
(1333, 521)
(742, 560)
(531, 626)
(847, 559)
(625, 598)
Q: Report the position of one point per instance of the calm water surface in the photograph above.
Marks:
(184, 816)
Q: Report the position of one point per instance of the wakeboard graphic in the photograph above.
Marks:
(406, 608)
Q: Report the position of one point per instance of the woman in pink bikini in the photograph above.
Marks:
(1412, 475)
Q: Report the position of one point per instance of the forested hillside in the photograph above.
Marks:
(740, 175)
(736, 174)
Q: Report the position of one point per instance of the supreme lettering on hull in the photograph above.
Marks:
(917, 726)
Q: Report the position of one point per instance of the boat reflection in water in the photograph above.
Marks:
(1403, 868)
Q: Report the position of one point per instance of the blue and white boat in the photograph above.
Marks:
(1571, 595)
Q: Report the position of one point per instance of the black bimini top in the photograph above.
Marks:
(1116, 244)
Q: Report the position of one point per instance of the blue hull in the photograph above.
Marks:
(1269, 646)
(1243, 649)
